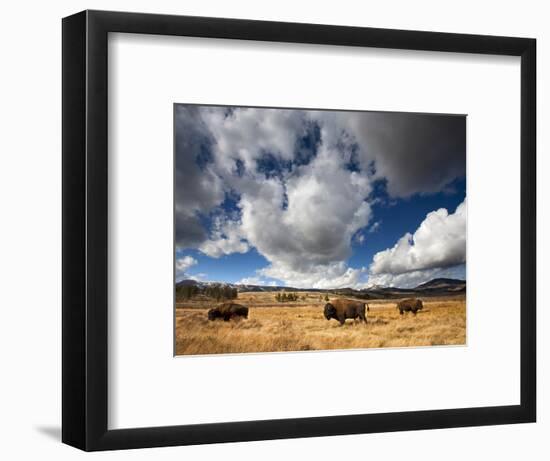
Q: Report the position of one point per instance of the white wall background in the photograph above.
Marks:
(30, 243)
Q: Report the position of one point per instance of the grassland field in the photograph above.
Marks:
(300, 326)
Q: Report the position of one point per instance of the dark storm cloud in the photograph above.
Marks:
(189, 231)
(198, 188)
(416, 153)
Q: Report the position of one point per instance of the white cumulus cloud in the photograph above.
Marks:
(439, 242)
(245, 134)
(256, 281)
(226, 238)
(334, 275)
(300, 220)
(415, 278)
(183, 264)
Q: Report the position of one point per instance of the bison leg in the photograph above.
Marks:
(414, 311)
(401, 311)
(342, 320)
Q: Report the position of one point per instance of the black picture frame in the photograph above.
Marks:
(85, 220)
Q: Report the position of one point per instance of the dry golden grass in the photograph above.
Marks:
(301, 326)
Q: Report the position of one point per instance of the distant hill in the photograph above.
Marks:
(435, 287)
(188, 283)
(442, 284)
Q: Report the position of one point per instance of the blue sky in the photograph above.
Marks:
(319, 199)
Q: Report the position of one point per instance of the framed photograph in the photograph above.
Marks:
(279, 220)
(279, 230)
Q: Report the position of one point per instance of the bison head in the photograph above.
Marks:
(213, 314)
(330, 311)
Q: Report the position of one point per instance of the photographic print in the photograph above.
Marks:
(310, 229)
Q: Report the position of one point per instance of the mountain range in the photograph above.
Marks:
(435, 287)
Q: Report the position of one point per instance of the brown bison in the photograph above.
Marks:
(409, 305)
(342, 309)
(227, 311)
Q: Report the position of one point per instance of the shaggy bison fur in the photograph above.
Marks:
(409, 305)
(342, 309)
(227, 311)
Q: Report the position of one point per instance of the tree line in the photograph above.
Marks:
(217, 291)
(291, 297)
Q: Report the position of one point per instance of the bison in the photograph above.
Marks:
(227, 311)
(409, 305)
(342, 309)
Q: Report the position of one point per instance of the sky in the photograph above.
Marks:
(319, 199)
